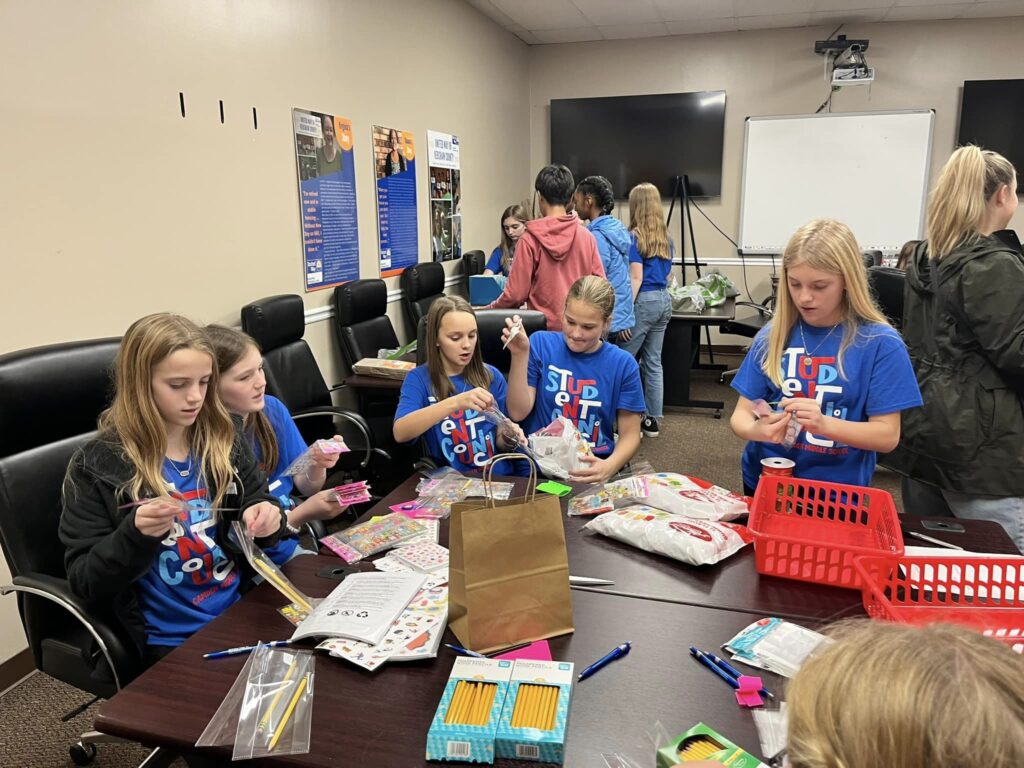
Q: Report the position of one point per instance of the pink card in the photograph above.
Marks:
(407, 508)
(536, 651)
(747, 694)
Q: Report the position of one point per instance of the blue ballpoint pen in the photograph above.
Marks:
(244, 649)
(464, 651)
(710, 661)
(616, 653)
(725, 665)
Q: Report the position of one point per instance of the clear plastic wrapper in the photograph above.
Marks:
(697, 542)
(761, 408)
(305, 461)
(276, 712)
(373, 536)
(627, 487)
(776, 645)
(558, 449)
(445, 487)
(772, 725)
(221, 729)
(266, 568)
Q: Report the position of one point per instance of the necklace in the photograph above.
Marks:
(808, 357)
(181, 472)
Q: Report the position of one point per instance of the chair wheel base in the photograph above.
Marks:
(82, 753)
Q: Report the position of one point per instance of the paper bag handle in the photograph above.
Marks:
(489, 470)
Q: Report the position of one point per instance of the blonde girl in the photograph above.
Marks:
(830, 361)
(272, 435)
(575, 373)
(513, 224)
(149, 501)
(964, 326)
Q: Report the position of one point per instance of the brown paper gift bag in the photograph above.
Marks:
(508, 569)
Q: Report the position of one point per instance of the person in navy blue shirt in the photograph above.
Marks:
(273, 437)
(513, 224)
(444, 399)
(830, 360)
(594, 201)
(650, 261)
(575, 373)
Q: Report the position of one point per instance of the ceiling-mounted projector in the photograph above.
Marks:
(846, 60)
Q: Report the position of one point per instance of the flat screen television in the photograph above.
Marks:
(630, 139)
(992, 116)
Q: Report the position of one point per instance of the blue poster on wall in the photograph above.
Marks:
(327, 198)
(394, 159)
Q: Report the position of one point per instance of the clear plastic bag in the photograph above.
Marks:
(558, 449)
(266, 568)
(276, 711)
(373, 536)
(761, 409)
(627, 487)
(446, 486)
(221, 729)
(305, 461)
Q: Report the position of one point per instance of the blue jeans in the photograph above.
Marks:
(927, 500)
(653, 310)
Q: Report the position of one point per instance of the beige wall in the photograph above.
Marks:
(113, 206)
(775, 72)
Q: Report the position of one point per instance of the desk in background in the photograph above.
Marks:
(681, 353)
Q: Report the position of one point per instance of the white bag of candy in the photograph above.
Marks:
(697, 542)
(680, 495)
(558, 448)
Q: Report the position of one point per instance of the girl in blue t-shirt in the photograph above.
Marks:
(650, 261)
(443, 399)
(831, 363)
(148, 502)
(575, 373)
(513, 225)
(273, 437)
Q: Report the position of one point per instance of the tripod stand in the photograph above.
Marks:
(681, 190)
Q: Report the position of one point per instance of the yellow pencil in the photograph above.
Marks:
(282, 586)
(535, 696)
(460, 714)
(517, 712)
(486, 702)
(549, 712)
(449, 716)
(288, 712)
(265, 721)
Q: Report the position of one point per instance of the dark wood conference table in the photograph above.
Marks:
(381, 718)
(680, 354)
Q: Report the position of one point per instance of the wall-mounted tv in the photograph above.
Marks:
(630, 139)
(992, 116)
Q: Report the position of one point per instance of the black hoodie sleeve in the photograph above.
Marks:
(104, 551)
(988, 290)
(253, 488)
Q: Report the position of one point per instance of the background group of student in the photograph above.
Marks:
(192, 442)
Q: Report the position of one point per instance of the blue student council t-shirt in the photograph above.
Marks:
(656, 270)
(588, 389)
(192, 580)
(879, 380)
(465, 440)
(494, 262)
(290, 446)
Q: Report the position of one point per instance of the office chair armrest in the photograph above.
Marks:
(761, 308)
(110, 644)
(336, 387)
(341, 413)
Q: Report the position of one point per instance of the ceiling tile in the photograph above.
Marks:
(996, 9)
(864, 16)
(609, 13)
(541, 14)
(688, 10)
(629, 31)
(777, 21)
(573, 35)
(488, 8)
(700, 26)
(842, 5)
(771, 7)
(924, 12)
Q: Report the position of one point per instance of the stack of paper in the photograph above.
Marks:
(388, 369)
(423, 558)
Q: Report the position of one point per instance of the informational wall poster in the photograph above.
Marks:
(327, 198)
(394, 159)
(445, 196)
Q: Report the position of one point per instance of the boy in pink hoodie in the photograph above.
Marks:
(553, 253)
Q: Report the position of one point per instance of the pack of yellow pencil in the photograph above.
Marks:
(536, 713)
(467, 717)
(703, 743)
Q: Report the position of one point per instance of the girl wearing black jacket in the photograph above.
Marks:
(148, 502)
(963, 322)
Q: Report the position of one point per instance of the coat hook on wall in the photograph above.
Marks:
(221, 102)
(255, 122)
(181, 101)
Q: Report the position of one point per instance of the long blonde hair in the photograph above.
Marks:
(134, 421)
(956, 206)
(475, 373)
(508, 248)
(647, 222)
(829, 246)
(893, 695)
(230, 346)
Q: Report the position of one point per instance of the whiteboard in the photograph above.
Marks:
(869, 170)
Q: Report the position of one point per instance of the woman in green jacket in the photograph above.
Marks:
(963, 321)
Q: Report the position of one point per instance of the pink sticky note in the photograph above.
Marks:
(537, 651)
(747, 694)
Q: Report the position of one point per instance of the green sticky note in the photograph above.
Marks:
(555, 489)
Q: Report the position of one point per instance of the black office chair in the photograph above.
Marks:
(871, 258)
(277, 323)
(421, 285)
(489, 323)
(887, 285)
(473, 263)
(50, 398)
(361, 320)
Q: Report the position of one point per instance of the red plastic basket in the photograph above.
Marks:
(984, 593)
(811, 530)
